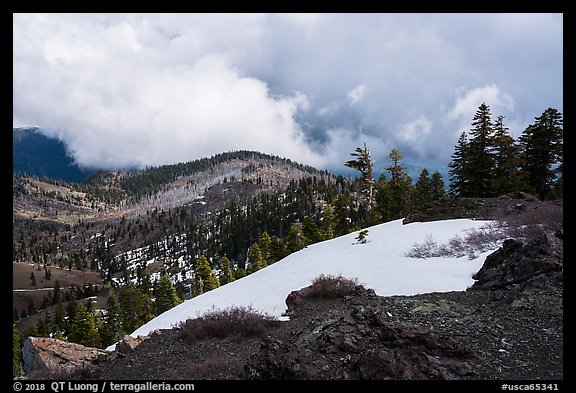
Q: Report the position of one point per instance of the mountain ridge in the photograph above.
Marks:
(39, 155)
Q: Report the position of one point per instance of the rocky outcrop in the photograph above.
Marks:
(46, 355)
(518, 264)
(359, 343)
(129, 343)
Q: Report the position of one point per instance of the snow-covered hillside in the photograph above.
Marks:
(380, 264)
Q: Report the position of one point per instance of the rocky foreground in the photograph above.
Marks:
(508, 326)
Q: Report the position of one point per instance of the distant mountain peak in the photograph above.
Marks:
(36, 154)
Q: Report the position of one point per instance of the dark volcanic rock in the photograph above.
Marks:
(359, 344)
(516, 263)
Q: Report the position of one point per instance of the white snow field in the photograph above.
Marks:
(379, 264)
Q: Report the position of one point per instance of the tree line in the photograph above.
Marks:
(488, 162)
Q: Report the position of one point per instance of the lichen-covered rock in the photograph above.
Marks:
(46, 355)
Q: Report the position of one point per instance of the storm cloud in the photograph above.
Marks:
(131, 90)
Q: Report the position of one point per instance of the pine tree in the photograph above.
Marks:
(265, 243)
(311, 231)
(328, 218)
(42, 328)
(438, 191)
(295, 239)
(506, 152)
(136, 308)
(166, 296)
(542, 150)
(342, 224)
(399, 188)
(480, 154)
(460, 168)
(111, 330)
(17, 341)
(226, 273)
(365, 165)
(278, 249)
(56, 294)
(255, 259)
(83, 329)
(423, 188)
(203, 271)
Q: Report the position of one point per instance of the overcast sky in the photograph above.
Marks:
(130, 90)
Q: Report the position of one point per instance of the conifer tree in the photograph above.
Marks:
(278, 249)
(399, 188)
(83, 329)
(255, 259)
(342, 223)
(480, 154)
(328, 219)
(136, 308)
(111, 330)
(459, 169)
(542, 149)
(311, 231)
(58, 318)
(265, 243)
(364, 163)
(438, 191)
(295, 239)
(423, 188)
(203, 271)
(166, 296)
(42, 328)
(226, 273)
(506, 152)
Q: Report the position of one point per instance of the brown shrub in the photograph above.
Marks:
(331, 287)
(235, 324)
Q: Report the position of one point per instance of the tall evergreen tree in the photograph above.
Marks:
(399, 189)
(423, 188)
(203, 271)
(459, 169)
(278, 249)
(83, 328)
(542, 149)
(295, 239)
(111, 330)
(136, 308)
(506, 176)
(226, 273)
(265, 243)
(166, 296)
(438, 186)
(328, 218)
(311, 231)
(480, 153)
(255, 259)
(364, 163)
(342, 224)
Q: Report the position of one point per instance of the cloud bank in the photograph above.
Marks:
(130, 90)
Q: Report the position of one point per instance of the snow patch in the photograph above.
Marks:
(381, 264)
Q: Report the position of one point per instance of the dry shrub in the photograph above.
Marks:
(331, 287)
(234, 324)
(532, 222)
(525, 224)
